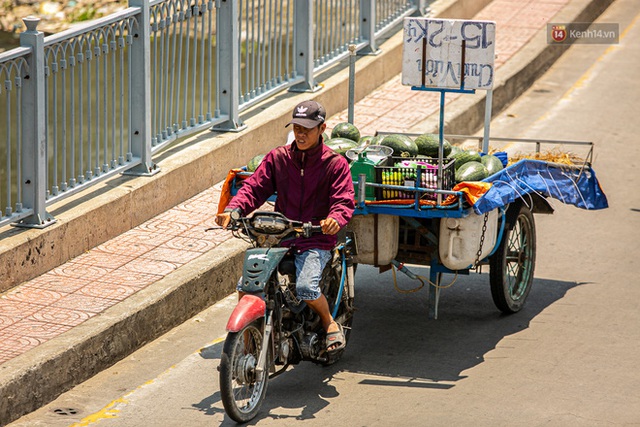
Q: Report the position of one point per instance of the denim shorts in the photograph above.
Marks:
(309, 267)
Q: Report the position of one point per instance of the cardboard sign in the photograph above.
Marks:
(433, 54)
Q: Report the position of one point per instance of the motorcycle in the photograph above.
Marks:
(270, 328)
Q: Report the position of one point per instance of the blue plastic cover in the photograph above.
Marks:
(569, 185)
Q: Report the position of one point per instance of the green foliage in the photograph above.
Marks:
(82, 14)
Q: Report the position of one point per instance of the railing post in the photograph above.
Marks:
(303, 45)
(34, 138)
(352, 82)
(368, 27)
(228, 66)
(140, 92)
(423, 7)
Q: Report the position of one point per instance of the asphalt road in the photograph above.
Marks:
(570, 357)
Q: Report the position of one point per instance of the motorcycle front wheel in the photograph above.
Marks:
(242, 385)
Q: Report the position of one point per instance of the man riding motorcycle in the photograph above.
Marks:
(313, 183)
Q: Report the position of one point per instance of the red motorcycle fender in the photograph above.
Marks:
(249, 308)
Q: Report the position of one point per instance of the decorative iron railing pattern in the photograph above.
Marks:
(87, 104)
(265, 47)
(12, 73)
(389, 11)
(182, 67)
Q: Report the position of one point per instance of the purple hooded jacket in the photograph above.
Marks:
(312, 185)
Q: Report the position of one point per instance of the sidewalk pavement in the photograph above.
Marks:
(69, 323)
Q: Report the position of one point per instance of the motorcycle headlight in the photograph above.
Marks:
(269, 225)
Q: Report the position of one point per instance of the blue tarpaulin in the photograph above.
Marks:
(574, 186)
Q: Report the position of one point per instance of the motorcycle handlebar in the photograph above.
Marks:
(310, 229)
(271, 223)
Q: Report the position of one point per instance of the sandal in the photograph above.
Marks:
(335, 338)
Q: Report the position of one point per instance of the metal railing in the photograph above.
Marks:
(101, 98)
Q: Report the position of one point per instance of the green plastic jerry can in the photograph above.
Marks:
(363, 165)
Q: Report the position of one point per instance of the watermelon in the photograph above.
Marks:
(254, 163)
(492, 163)
(346, 130)
(454, 150)
(429, 145)
(402, 145)
(369, 140)
(341, 145)
(325, 137)
(471, 171)
(464, 156)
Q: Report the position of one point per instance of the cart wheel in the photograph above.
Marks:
(512, 265)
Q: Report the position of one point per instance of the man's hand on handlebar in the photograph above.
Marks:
(330, 226)
(223, 219)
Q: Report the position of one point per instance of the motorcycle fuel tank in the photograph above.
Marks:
(259, 264)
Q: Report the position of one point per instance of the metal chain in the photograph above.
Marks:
(484, 229)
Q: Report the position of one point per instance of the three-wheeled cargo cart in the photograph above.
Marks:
(415, 212)
(466, 226)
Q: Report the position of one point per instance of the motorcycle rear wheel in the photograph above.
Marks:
(242, 386)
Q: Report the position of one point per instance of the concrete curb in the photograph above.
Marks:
(35, 378)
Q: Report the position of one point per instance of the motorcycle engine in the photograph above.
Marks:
(285, 348)
(310, 346)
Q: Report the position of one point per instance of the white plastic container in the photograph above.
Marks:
(376, 237)
(460, 239)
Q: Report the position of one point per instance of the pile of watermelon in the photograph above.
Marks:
(469, 165)
(346, 136)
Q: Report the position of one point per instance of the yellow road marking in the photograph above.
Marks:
(112, 410)
(108, 411)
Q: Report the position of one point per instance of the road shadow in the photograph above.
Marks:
(395, 344)
(391, 329)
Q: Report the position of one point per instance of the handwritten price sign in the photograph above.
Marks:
(448, 53)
